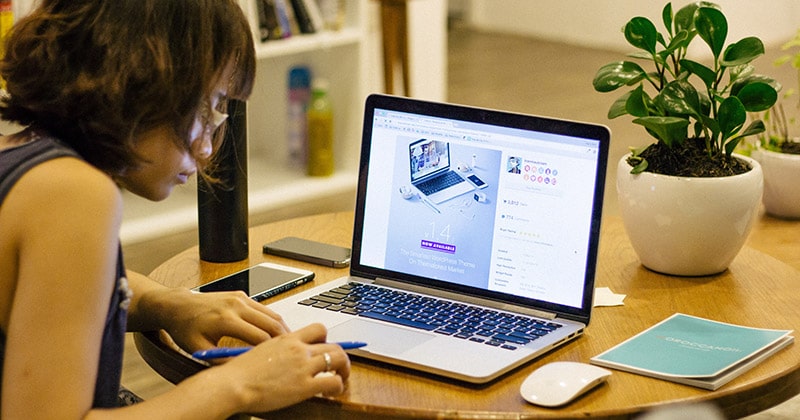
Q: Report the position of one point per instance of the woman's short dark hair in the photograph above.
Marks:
(95, 73)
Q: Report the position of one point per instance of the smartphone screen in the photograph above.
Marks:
(260, 281)
(309, 251)
(476, 181)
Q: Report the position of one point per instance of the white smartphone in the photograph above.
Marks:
(309, 251)
(260, 281)
(477, 181)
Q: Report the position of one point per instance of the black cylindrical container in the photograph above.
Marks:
(222, 206)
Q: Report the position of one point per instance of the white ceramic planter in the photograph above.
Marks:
(688, 226)
(781, 183)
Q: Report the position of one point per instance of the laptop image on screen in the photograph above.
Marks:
(429, 162)
(472, 287)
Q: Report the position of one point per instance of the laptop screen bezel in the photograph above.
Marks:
(596, 132)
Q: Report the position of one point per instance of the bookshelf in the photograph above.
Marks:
(273, 183)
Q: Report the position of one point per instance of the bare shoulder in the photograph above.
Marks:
(64, 190)
(70, 177)
(62, 204)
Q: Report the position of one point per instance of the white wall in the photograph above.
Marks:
(598, 23)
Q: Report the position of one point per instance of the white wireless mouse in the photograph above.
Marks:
(558, 383)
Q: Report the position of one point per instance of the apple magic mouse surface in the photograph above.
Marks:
(558, 383)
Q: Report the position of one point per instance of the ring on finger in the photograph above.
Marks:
(327, 358)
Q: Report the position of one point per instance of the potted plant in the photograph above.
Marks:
(778, 150)
(687, 201)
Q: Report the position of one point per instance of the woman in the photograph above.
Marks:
(124, 94)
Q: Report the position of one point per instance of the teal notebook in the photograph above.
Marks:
(694, 351)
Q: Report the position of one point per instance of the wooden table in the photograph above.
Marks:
(758, 290)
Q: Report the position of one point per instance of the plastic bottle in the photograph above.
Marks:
(299, 97)
(320, 131)
(6, 22)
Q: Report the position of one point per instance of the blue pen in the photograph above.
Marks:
(220, 352)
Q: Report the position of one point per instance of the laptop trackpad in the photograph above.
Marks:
(380, 338)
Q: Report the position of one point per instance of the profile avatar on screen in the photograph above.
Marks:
(514, 165)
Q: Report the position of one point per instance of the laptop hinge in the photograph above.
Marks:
(465, 298)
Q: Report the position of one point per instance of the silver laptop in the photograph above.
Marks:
(429, 164)
(478, 285)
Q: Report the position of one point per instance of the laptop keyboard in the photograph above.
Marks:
(439, 183)
(473, 323)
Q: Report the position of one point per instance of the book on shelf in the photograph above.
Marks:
(303, 16)
(694, 351)
(280, 19)
(314, 14)
(285, 18)
(268, 24)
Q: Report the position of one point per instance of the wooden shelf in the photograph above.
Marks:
(298, 44)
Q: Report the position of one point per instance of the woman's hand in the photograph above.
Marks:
(197, 321)
(288, 369)
(200, 320)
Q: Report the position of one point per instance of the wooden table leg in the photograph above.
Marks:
(395, 43)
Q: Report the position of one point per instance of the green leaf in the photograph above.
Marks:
(731, 116)
(705, 103)
(705, 74)
(642, 34)
(711, 124)
(684, 18)
(669, 130)
(637, 103)
(740, 72)
(615, 75)
(741, 82)
(757, 96)
(742, 52)
(640, 55)
(756, 127)
(731, 145)
(661, 60)
(712, 27)
(639, 163)
(636, 151)
(666, 17)
(618, 108)
(679, 97)
(681, 40)
(640, 167)
(660, 39)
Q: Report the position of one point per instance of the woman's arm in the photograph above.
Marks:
(198, 321)
(66, 218)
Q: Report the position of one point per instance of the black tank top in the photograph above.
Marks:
(14, 163)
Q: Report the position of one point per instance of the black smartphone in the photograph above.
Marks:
(309, 251)
(260, 281)
(476, 181)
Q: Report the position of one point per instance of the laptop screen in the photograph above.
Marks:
(428, 157)
(525, 232)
